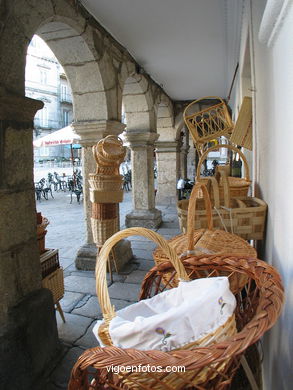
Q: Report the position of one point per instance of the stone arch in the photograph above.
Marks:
(165, 120)
(80, 66)
(138, 103)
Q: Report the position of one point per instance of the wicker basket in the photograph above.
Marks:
(55, 283)
(239, 187)
(106, 182)
(139, 380)
(103, 229)
(206, 240)
(210, 123)
(244, 217)
(109, 151)
(211, 367)
(49, 262)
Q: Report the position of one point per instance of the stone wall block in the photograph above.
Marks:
(29, 12)
(138, 120)
(18, 219)
(30, 344)
(83, 106)
(18, 157)
(20, 273)
(135, 103)
(82, 82)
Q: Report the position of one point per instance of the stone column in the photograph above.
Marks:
(144, 212)
(167, 160)
(183, 161)
(28, 336)
(191, 161)
(91, 132)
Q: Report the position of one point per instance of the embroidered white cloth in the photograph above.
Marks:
(174, 317)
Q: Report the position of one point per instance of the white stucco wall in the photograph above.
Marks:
(272, 92)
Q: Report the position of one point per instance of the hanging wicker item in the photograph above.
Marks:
(209, 365)
(239, 187)
(208, 240)
(210, 123)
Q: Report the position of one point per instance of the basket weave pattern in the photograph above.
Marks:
(208, 240)
(55, 283)
(209, 123)
(238, 186)
(257, 310)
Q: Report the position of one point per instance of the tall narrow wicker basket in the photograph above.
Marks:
(208, 366)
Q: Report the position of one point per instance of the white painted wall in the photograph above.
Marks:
(272, 92)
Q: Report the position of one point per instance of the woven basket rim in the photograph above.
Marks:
(270, 304)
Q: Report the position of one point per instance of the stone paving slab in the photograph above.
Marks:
(60, 376)
(146, 245)
(91, 307)
(168, 231)
(142, 253)
(128, 268)
(136, 277)
(74, 327)
(81, 284)
(124, 291)
(69, 300)
(88, 340)
(145, 265)
(65, 262)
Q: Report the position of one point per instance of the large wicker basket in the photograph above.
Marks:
(208, 240)
(210, 123)
(244, 217)
(208, 366)
(239, 186)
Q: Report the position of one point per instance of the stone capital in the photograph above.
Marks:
(93, 131)
(18, 108)
(137, 139)
(167, 147)
(185, 149)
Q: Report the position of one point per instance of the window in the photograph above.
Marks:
(65, 118)
(44, 117)
(43, 77)
(63, 92)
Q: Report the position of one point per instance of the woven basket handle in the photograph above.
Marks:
(215, 182)
(192, 209)
(101, 266)
(231, 147)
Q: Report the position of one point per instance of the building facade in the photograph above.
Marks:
(45, 80)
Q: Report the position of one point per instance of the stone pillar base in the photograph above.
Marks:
(29, 343)
(86, 256)
(150, 219)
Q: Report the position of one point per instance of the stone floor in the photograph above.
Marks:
(80, 305)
